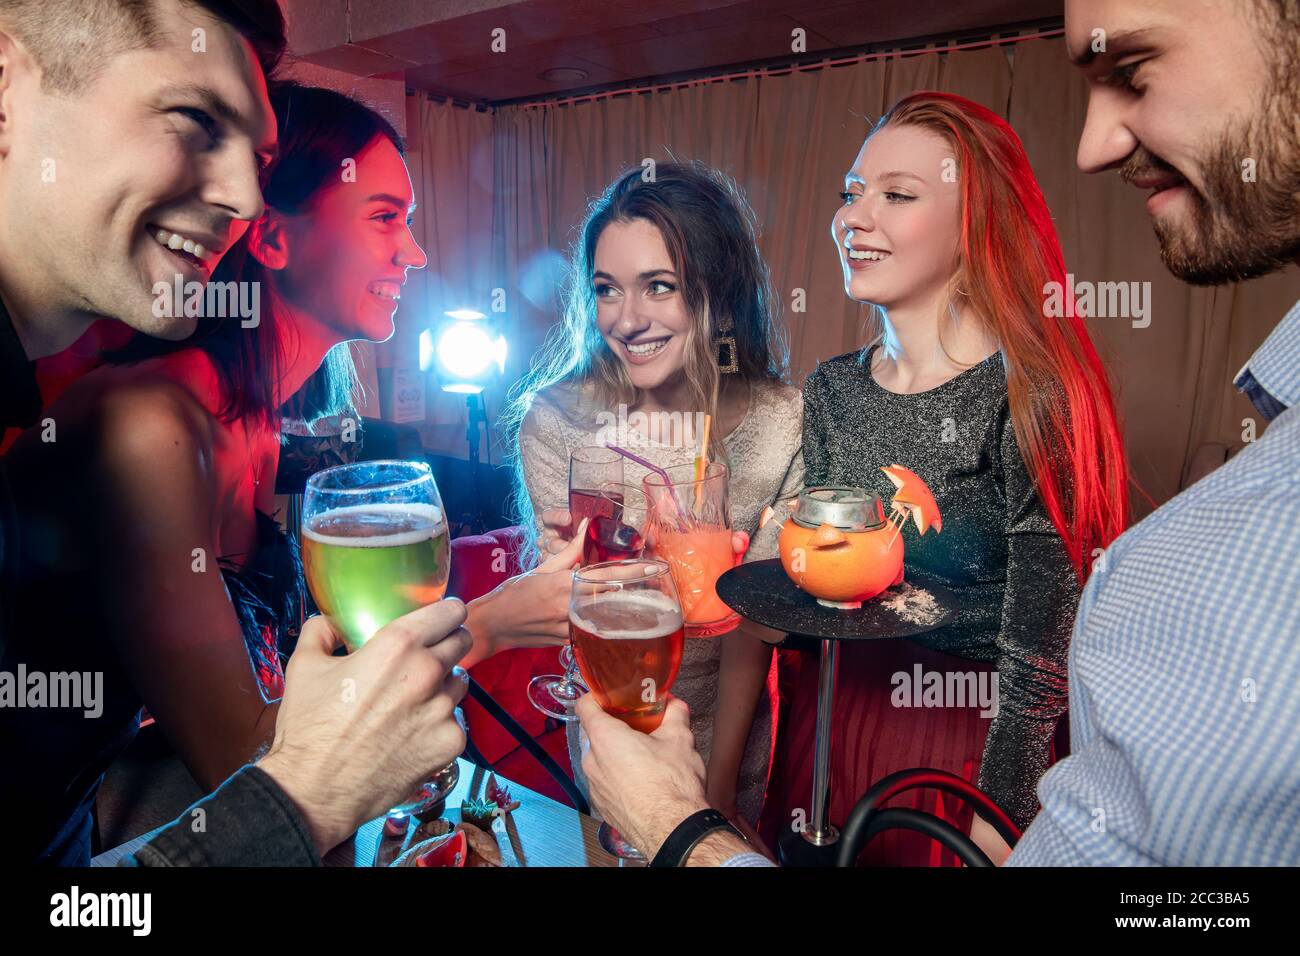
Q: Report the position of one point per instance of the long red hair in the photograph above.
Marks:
(1062, 409)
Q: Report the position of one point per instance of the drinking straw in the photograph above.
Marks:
(672, 488)
(643, 463)
(702, 460)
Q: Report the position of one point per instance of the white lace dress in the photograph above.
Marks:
(766, 462)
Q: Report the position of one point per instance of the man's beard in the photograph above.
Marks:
(1237, 229)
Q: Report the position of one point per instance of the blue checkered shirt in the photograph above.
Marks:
(1185, 667)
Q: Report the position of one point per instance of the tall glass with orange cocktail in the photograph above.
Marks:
(688, 525)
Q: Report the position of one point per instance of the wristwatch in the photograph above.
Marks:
(684, 838)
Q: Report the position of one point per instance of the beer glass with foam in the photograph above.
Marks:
(625, 622)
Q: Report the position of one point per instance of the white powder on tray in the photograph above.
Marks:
(914, 605)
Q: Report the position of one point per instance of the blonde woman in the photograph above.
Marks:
(670, 314)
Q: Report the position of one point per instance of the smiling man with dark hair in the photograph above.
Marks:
(1185, 659)
(1220, 155)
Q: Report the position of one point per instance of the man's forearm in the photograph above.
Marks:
(248, 821)
(717, 848)
(714, 850)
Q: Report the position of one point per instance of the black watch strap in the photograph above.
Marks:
(688, 833)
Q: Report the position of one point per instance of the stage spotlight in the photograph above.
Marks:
(469, 352)
(426, 350)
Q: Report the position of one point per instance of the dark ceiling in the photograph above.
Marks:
(551, 47)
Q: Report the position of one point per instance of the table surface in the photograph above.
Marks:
(541, 832)
(762, 592)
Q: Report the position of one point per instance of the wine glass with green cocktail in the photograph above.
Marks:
(375, 547)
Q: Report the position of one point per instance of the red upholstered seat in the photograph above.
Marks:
(478, 564)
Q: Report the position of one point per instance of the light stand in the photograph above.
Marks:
(477, 415)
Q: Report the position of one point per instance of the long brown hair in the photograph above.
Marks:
(1062, 409)
(712, 239)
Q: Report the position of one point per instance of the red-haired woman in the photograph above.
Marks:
(1003, 408)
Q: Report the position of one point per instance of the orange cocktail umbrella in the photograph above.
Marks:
(913, 499)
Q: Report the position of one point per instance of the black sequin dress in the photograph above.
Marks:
(998, 550)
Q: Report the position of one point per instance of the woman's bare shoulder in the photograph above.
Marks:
(136, 421)
(191, 369)
(137, 452)
(180, 383)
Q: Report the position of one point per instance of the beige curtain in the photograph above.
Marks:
(787, 140)
(449, 154)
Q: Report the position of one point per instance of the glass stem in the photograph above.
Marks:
(570, 671)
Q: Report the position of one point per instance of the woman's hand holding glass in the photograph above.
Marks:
(556, 532)
(527, 610)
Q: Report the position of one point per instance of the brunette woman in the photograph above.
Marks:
(670, 313)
